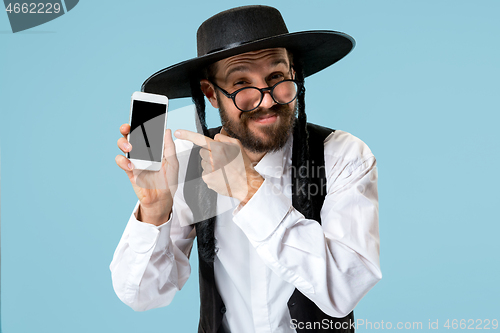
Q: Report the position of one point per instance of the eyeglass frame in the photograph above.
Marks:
(262, 91)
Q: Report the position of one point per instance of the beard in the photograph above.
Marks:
(276, 135)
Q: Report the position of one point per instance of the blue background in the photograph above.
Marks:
(420, 88)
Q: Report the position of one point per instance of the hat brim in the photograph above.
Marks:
(316, 50)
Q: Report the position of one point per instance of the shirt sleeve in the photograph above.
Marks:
(336, 263)
(151, 263)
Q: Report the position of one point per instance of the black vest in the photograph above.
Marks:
(301, 308)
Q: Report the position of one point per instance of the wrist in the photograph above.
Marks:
(254, 181)
(156, 215)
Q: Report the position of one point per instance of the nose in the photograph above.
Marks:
(267, 100)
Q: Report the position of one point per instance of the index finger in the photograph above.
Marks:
(196, 138)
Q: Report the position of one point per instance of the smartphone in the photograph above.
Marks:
(148, 120)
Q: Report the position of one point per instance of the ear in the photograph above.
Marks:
(209, 91)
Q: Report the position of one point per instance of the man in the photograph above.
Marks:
(285, 213)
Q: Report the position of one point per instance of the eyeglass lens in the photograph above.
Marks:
(250, 98)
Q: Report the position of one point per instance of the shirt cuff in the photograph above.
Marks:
(144, 236)
(262, 214)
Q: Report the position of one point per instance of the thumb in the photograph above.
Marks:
(169, 148)
(169, 153)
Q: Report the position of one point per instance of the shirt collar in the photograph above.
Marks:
(273, 164)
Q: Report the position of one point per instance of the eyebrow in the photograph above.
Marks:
(243, 68)
(280, 61)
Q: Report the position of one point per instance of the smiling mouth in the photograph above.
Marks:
(266, 118)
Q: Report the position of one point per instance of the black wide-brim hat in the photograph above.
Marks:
(245, 29)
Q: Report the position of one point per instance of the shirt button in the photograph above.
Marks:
(223, 309)
(293, 304)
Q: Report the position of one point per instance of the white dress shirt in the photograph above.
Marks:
(266, 248)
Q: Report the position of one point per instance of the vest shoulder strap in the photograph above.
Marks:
(314, 170)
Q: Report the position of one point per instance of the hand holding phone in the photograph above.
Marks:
(155, 189)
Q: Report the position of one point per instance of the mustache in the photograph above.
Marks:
(278, 109)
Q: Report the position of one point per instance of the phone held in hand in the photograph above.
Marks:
(148, 120)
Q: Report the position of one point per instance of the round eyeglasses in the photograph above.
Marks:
(249, 98)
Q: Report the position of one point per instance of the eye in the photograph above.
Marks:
(276, 76)
(241, 83)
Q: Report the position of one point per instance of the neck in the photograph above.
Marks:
(253, 156)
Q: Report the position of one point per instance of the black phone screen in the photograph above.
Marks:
(147, 129)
